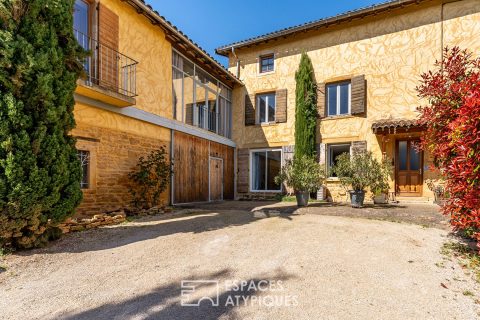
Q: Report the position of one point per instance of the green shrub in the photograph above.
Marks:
(39, 170)
(149, 179)
(302, 174)
(360, 171)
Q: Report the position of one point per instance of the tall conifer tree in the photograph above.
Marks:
(306, 108)
(39, 168)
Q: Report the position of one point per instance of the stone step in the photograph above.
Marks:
(414, 199)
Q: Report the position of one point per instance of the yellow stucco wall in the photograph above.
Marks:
(146, 43)
(392, 51)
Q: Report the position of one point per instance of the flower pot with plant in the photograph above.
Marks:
(355, 171)
(379, 186)
(303, 175)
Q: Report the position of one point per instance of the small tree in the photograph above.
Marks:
(149, 179)
(356, 171)
(306, 108)
(452, 133)
(303, 174)
(39, 170)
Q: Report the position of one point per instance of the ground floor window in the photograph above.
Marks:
(333, 152)
(265, 166)
(84, 157)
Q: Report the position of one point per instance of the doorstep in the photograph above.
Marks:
(426, 200)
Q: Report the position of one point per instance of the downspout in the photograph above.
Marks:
(238, 62)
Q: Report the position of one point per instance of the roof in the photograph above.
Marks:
(316, 24)
(184, 44)
(392, 125)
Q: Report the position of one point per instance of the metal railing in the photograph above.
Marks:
(108, 68)
(206, 119)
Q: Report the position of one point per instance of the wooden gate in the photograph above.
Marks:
(216, 179)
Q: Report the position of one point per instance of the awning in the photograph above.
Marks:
(393, 126)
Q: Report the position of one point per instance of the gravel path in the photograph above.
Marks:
(316, 267)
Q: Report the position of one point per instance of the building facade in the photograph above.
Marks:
(147, 85)
(367, 65)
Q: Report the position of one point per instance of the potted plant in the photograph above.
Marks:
(379, 186)
(355, 171)
(303, 175)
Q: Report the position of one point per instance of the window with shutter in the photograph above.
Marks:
(249, 110)
(358, 102)
(281, 106)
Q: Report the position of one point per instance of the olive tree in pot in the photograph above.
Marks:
(379, 185)
(355, 171)
(304, 175)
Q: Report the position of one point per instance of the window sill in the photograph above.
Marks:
(342, 116)
(332, 179)
(265, 191)
(261, 74)
(266, 124)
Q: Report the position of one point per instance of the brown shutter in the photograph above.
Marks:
(108, 56)
(321, 101)
(358, 94)
(242, 170)
(358, 147)
(281, 106)
(249, 110)
(189, 114)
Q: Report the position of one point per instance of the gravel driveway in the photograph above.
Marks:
(293, 265)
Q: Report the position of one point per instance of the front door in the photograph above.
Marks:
(409, 165)
(216, 179)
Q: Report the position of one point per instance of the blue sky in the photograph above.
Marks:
(212, 23)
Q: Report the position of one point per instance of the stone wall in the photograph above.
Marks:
(113, 154)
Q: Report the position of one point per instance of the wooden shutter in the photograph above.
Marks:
(281, 106)
(249, 110)
(108, 29)
(358, 147)
(321, 100)
(243, 170)
(189, 114)
(358, 94)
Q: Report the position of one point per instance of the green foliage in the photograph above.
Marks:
(149, 179)
(306, 108)
(361, 170)
(302, 174)
(39, 168)
(381, 171)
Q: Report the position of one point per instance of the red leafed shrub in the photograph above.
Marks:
(452, 135)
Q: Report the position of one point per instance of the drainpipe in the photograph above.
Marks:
(238, 62)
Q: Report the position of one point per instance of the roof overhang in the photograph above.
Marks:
(389, 126)
(184, 44)
(317, 24)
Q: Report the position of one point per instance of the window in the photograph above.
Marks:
(338, 98)
(84, 157)
(266, 165)
(267, 63)
(333, 152)
(266, 107)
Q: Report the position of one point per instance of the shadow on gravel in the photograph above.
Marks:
(150, 228)
(165, 302)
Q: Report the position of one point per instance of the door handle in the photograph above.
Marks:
(420, 171)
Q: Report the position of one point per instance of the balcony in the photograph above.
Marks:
(109, 76)
(216, 122)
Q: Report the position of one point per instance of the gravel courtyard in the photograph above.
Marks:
(322, 262)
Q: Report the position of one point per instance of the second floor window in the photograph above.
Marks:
(267, 63)
(266, 107)
(338, 98)
(81, 22)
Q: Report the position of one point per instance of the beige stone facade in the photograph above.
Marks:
(391, 49)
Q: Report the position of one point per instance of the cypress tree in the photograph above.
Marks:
(39, 169)
(306, 108)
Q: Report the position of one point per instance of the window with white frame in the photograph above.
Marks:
(265, 166)
(333, 152)
(339, 98)
(266, 107)
(267, 63)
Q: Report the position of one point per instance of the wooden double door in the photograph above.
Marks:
(408, 168)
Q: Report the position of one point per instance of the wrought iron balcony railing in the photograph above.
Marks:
(108, 68)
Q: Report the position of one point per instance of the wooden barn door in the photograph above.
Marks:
(216, 179)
